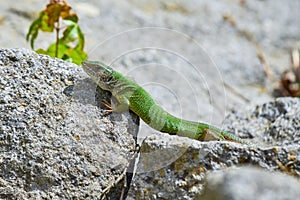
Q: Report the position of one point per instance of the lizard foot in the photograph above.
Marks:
(108, 107)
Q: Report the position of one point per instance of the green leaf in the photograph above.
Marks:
(77, 56)
(81, 38)
(45, 25)
(62, 49)
(73, 33)
(41, 51)
(34, 30)
(70, 34)
(72, 17)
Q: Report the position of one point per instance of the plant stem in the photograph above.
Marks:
(57, 38)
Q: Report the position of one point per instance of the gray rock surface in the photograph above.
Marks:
(54, 141)
(272, 123)
(249, 183)
(171, 167)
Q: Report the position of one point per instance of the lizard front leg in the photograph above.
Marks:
(116, 104)
(119, 104)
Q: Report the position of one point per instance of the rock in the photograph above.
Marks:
(249, 183)
(55, 142)
(274, 123)
(172, 167)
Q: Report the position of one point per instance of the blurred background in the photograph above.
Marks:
(206, 58)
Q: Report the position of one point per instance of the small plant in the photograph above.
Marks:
(289, 84)
(57, 17)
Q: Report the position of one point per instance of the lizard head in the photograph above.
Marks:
(102, 74)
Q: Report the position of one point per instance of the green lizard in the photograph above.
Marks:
(129, 95)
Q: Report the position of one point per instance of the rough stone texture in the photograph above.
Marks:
(171, 167)
(272, 123)
(244, 183)
(54, 141)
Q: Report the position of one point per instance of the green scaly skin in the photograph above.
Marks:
(129, 95)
